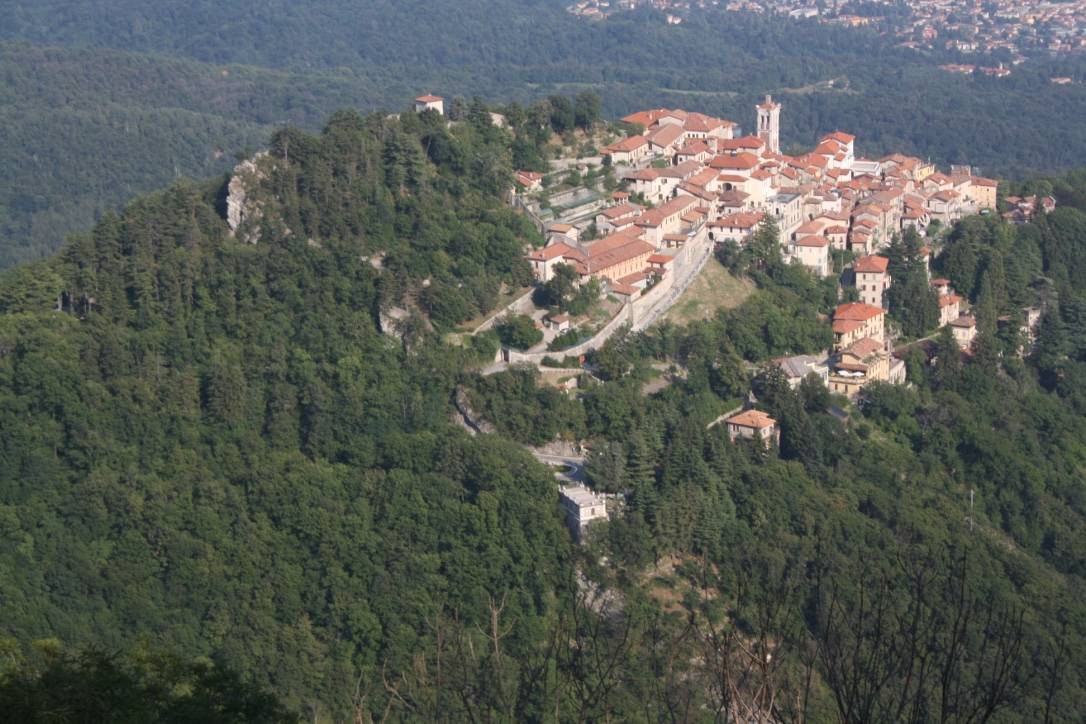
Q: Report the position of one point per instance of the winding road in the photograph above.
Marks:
(575, 463)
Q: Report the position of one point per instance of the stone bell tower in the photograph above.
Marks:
(769, 124)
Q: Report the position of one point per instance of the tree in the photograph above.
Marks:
(765, 245)
(562, 114)
(92, 686)
(519, 332)
(586, 109)
(959, 263)
(948, 359)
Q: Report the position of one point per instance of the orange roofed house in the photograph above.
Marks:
(872, 279)
(852, 322)
(862, 362)
(628, 151)
(862, 354)
(544, 260)
(529, 180)
(614, 257)
(753, 425)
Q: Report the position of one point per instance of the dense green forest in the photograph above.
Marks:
(87, 126)
(211, 450)
(215, 448)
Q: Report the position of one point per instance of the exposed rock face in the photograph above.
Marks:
(391, 321)
(467, 416)
(243, 212)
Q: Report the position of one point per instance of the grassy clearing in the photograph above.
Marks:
(715, 288)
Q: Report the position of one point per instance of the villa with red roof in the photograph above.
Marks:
(753, 425)
(856, 320)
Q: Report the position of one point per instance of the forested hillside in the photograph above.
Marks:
(83, 131)
(210, 449)
(215, 448)
(161, 115)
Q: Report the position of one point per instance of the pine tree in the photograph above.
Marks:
(948, 359)
(765, 245)
(606, 467)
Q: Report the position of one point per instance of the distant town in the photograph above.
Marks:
(1020, 29)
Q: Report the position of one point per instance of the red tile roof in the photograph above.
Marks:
(631, 143)
(739, 220)
(948, 300)
(841, 136)
(738, 144)
(752, 418)
(550, 252)
(740, 161)
(864, 347)
(666, 135)
(872, 264)
(857, 311)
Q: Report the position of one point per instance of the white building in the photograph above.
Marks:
(769, 124)
(582, 507)
(430, 103)
(813, 252)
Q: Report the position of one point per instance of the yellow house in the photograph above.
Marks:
(862, 362)
(982, 192)
(855, 321)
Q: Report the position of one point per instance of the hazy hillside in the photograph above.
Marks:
(162, 114)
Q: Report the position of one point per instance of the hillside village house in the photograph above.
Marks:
(797, 368)
(787, 207)
(430, 103)
(664, 219)
(753, 425)
(628, 151)
(562, 232)
(862, 353)
(618, 217)
(982, 192)
(666, 139)
(872, 279)
(855, 321)
(736, 228)
(862, 362)
(949, 308)
(542, 261)
(964, 329)
(529, 180)
(813, 252)
(614, 257)
(946, 206)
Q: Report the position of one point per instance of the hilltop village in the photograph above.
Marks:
(689, 182)
(689, 185)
